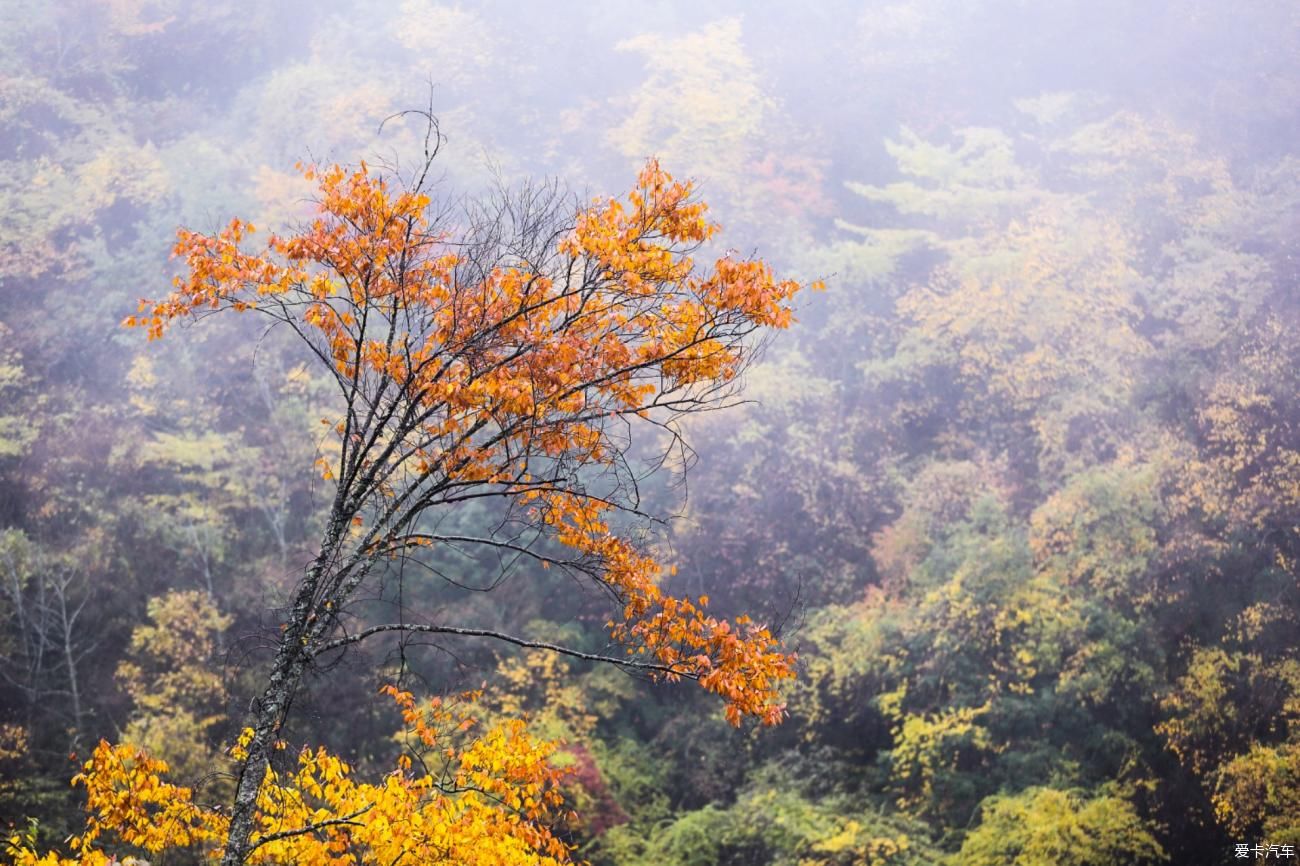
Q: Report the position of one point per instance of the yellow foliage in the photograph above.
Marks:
(479, 799)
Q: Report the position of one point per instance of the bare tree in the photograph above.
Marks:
(46, 597)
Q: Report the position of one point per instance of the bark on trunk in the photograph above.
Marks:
(291, 661)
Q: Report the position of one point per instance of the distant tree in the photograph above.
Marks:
(1044, 826)
(170, 675)
(49, 633)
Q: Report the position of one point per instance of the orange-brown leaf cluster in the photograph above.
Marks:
(515, 366)
(741, 663)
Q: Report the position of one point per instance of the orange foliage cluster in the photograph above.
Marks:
(522, 360)
(742, 663)
(371, 252)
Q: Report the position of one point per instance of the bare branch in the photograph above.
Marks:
(630, 664)
(343, 820)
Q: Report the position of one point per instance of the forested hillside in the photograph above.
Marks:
(988, 554)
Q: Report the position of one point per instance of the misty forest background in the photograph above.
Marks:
(1022, 487)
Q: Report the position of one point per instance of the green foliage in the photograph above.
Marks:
(1050, 827)
(1100, 531)
(773, 823)
(1258, 794)
(18, 430)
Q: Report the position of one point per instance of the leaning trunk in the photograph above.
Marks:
(291, 660)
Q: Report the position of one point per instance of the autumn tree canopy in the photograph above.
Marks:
(511, 350)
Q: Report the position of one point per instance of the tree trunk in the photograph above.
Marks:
(285, 677)
(291, 660)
